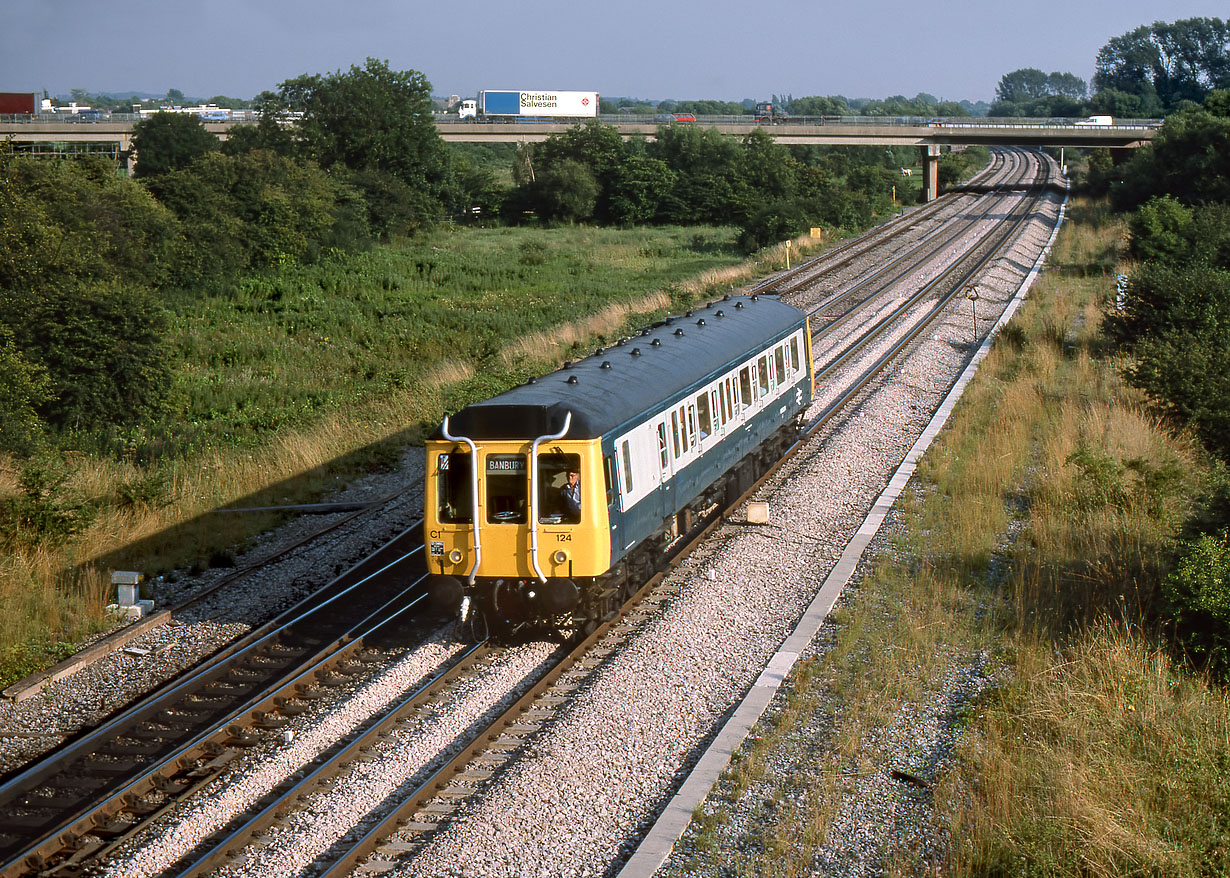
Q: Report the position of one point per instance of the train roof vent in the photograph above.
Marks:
(700, 322)
(606, 364)
(679, 331)
(572, 379)
(738, 306)
(657, 342)
(721, 313)
(636, 352)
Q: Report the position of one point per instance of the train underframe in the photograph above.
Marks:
(509, 609)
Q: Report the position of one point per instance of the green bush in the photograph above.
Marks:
(102, 346)
(41, 515)
(1197, 600)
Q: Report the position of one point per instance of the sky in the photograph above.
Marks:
(652, 49)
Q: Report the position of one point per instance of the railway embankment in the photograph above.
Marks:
(994, 689)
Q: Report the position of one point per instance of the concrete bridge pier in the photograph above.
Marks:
(931, 170)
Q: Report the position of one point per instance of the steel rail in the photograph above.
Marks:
(198, 741)
(376, 836)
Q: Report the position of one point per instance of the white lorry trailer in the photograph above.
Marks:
(506, 105)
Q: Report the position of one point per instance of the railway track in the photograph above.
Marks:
(56, 845)
(787, 283)
(102, 786)
(401, 831)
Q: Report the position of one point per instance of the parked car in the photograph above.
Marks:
(683, 117)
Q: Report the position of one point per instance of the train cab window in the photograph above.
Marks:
(745, 386)
(702, 415)
(507, 488)
(625, 461)
(794, 354)
(553, 505)
(762, 372)
(663, 451)
(454, 488)
(779, 360)
(608, 475)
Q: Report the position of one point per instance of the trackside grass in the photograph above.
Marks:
(1025, 580)
(292, 382)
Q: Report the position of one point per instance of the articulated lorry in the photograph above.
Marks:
(500, 105)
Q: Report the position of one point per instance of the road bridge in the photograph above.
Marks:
(59, 134)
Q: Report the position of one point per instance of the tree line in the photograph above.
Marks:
(1170, 321)
(336, 163)
(1147, 73)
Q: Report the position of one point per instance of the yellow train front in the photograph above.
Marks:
(533, 557)
(547, 505)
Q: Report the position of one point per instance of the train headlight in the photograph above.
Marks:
(559, 556)
(455, 556)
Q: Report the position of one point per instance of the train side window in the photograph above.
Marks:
(507, 488)
(691, 426)
(794, 354)
(454, 488)
(762, 372)
(732, 399)
(625, 459)
(714, 407)
(721, 391)
(745, 385)
(779, 360)
(553, 472)
(685, 435)
(663, 451)
(608, 475)
(675, 434)
(702, 414)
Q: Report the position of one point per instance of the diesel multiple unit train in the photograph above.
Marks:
(549, 504)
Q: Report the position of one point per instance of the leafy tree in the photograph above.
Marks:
(636, 192)
(1030, 92)
(169, 141)
(473, 191)
(708, 187)
(23, 390)
(1189, 160)
(1174, 62)
(370, 118)
(1021, 85)
(259, 210)
(1197, 600)
(772, 223)
(820, 106)
(568, 191)
(1161, 230)
(102, 346)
